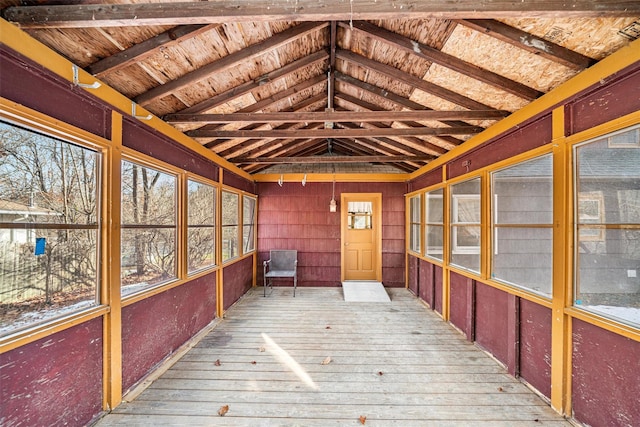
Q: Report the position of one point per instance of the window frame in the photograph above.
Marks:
(214, 186)
(252, 225)
(179, 251)
(430, 251)
(413, 225)
(455, 247)
(237, 224)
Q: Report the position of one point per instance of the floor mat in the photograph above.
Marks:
(359, 291)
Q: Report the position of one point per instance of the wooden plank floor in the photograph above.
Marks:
(397, 364)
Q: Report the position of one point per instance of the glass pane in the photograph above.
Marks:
(609, 275)
(608, 255)
(523, 257)
(414, 206)
(465, 224)
(248, 220)
(51, 273)
(465, 242)
(523, 194)
(229, 242)
(201, 237)
(148, 258)
(359, 222)
(414, 238)
(201, 204)
(248, 238)
(46, 273)
(230, 210)
(148, 196)
(435, 207)
(434, 241)
(201, 246)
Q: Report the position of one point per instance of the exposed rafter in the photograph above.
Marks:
(116, 15)
(338, 116)
(331, 159)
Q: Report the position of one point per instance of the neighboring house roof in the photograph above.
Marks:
(14, 208)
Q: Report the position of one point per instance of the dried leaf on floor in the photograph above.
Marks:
(261, 349)
(363, 419)
(253, 362)
(380, 373)
(326, 361)
(328, 327)
(217, 362)
(223, 410)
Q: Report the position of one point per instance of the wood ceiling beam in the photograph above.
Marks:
(338, 116)
(183, 13)
(274, 99)
(400, 101)
(140, 51)
(331, 159)
(355, 147)
(230, 60)
(244, 88)
(430, 54)
(411, 80)
(334, 133)
(529, 42)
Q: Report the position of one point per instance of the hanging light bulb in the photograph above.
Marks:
(333, 207)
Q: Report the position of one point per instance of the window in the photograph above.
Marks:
(201, 226)
(49, 227)
(465, 224)
(148, 238)
(230, 221)
(359, 215)
(248, 224)
(414, 227)
(434, 223)
(607, 214)
(522, 225)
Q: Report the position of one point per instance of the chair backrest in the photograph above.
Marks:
(283, 260)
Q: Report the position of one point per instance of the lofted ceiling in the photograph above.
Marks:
(286, 85)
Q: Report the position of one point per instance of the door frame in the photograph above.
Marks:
(376, 198)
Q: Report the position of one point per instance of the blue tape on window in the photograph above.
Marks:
(40, 245)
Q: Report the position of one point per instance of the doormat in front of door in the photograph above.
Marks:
(360, 291)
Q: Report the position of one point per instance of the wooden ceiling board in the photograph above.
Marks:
(472, 88)
(506, 59)
(596, 37)
(432, 32)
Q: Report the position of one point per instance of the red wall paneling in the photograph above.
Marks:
(297, 217)
(237, 280)
(526, 137)
(35, 87)
(437, 288)
(618, 96)
(155, 327)
(426, 180)
(535, 346)
(56, 380)
(144, 139)
(606, 377)
(491, 322)
(413, 269)
(426, 282)
(462, 304)
(236, 181)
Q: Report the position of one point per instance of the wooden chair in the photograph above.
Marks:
(281, 264)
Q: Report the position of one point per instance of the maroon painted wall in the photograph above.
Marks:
(535, 346)
(600, 104)
(26, 83)
(491, 327)
(413, 271)
(237, 279)
(606, 377)
(462, 305)
(56, 380)
(155, 327)
(146, 140)
(425, 180)
(297, 217)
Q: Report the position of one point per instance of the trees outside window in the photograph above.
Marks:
(49, 227)
(230, 221)
(148, 238)
(201, 226)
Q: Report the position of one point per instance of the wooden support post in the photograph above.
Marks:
(110, 272)
(562, 247)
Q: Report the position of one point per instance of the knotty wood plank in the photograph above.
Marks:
(111, 15)
(396, 363)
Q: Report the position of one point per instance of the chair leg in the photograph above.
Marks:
(295, 285)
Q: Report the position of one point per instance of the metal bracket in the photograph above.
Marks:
(76, 81)
(133, 113)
